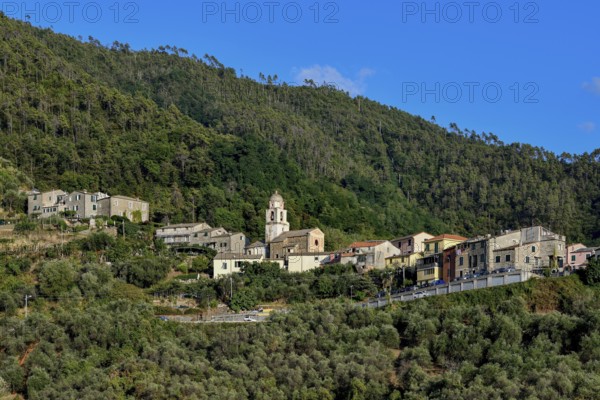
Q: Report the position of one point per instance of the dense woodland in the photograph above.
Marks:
(92, 332)
(205, 143)
(202, 142)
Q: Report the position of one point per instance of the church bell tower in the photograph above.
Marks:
(276, 218)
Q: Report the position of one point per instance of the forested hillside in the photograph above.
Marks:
(201, 142)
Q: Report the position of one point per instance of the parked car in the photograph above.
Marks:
(249, 319)
(420, 295)
(438, 282)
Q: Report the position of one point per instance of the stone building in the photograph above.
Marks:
(135, 210)
(280, 240)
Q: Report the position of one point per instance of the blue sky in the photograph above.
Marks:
(528, 71)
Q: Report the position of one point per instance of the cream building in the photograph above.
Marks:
(135, 210)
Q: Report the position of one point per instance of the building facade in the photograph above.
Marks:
(430, 267)
(180, 233)
(530, 249)
(45, 204)
(231, 263)
(372, 254)
(412, 243)
(135, 210)
(77, 204)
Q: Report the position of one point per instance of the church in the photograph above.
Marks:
(295, 251)
(280, 242)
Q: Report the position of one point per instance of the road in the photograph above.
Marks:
(482, 282)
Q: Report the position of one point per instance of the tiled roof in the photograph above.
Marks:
(177, 226)
(371, 243)
(446, 236)
(255, 245)
(235, 256)
(290, 234)
(410, 236)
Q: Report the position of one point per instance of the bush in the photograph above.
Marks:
(591, 275)
(25, 226)
(244, 299)
(57, 278)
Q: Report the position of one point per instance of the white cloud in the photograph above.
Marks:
(587, 127)
(327, 75)
(593, 86)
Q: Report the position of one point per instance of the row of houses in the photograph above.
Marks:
(430, 258)
(82, 204)
(450, 257)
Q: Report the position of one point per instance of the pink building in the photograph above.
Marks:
(578, 255)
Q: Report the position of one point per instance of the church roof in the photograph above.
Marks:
(255, 245)
(277, 197)
(291, 234)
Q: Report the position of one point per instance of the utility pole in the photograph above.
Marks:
(27, 297)
(231, 282)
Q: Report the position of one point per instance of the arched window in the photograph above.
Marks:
(317, 242)
(281, 216)
(272, 215)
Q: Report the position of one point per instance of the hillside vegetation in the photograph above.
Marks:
(202, 142)
(89, 335)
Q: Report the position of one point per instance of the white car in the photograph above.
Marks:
(249, 319)
(420, 295)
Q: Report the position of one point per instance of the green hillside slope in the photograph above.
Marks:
(202, 142)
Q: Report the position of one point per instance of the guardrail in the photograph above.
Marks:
(482, 282)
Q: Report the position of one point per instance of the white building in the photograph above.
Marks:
(230, 263)
(302, 262)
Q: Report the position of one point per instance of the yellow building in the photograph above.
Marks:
(429, 268)
(406, 260)
(440, 243)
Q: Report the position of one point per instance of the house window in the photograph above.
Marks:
(317, 242)
(94, 207)
(316, 258)
(533, 249)
(409, 242)
(224, 265)
(473, 246)
(272, 215)
(527, 261)
(238, 264)
(427, 247)
(436, 247)
(78, 197)
(482, 258)
(35, 197)
(573, 258)
(507, 257)
(461, 261)
(497, 259)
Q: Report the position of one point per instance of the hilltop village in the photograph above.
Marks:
(429, 258)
